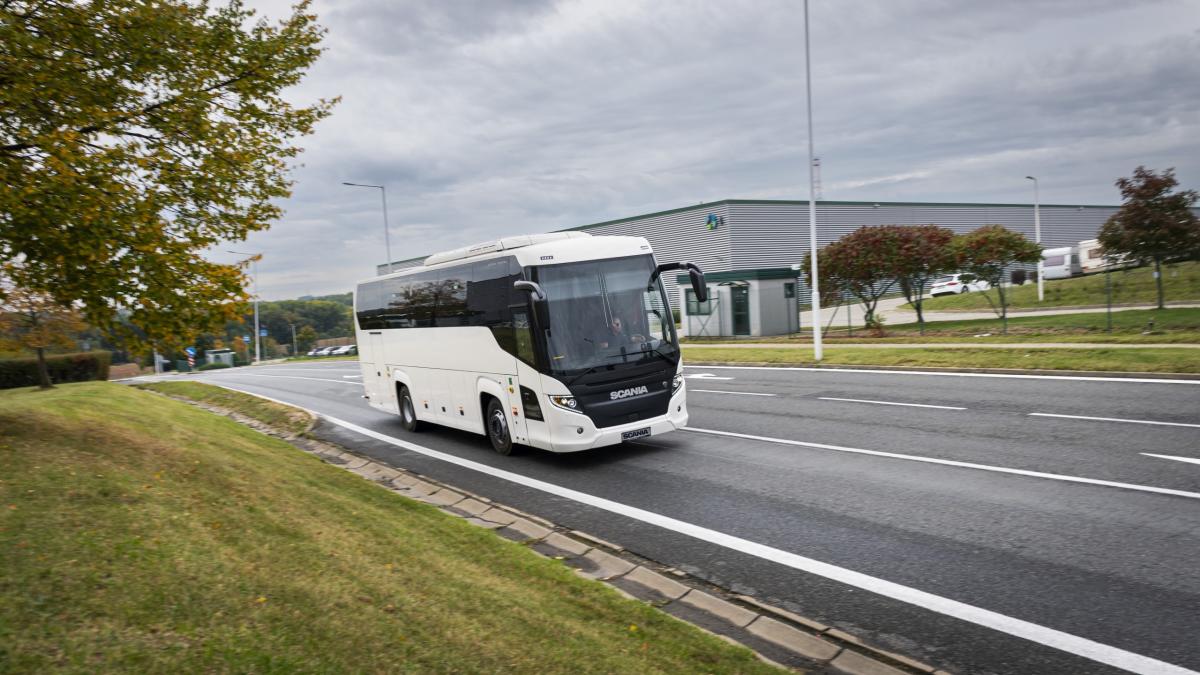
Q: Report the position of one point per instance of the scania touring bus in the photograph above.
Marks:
(558, 341)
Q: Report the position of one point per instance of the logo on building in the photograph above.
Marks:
(626, 393)
(714, 221)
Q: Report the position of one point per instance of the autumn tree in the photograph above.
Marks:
(305, 338)
(35, 321)
(1154, 224)
(135, 134)
(922, 252)
(864, 263)
(832, 288)
(987, 252)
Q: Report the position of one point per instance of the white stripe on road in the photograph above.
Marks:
(913, 405)
(1075, 378)
(722, 391)
(1073, 644)
(950, 462)
(1116, 419)
(1191, 460)
(297, 377)
(347, 377)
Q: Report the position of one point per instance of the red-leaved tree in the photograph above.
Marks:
(987, 252)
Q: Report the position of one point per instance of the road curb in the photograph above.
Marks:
(776, 635)
(935, 369)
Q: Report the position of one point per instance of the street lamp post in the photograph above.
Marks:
(387, 242)
(1037, 229)
(293, 327)
(257, 339)
(812, 191)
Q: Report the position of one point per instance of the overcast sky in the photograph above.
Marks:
(487, 118)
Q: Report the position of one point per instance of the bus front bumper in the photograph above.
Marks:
(566, 435)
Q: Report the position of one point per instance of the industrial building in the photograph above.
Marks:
(743, 237)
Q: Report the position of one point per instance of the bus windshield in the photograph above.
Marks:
(605, 312)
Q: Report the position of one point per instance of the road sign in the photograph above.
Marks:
(191, 351)
(246, 339)
(262, 332)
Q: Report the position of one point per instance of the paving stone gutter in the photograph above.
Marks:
(776, 635)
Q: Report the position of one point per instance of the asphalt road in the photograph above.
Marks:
(996, 513)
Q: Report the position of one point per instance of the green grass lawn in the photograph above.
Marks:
(1181, 283)
(322, 358)
(1170, 325)
(1166, 360)
(141, 534)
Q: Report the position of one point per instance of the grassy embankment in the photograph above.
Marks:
(322, 358)
(141, 534)
(1167, 360)
(1170, 326)
(1181, 283)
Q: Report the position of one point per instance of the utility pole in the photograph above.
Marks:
(257, 338)
(293, 327)
(812, 192)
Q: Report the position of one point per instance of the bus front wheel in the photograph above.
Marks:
(497, 428)
(408, 413)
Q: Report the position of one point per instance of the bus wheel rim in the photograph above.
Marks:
(499, 426)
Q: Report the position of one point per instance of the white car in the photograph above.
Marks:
(953, 284)
(345, 350)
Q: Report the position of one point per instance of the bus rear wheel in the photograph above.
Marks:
(408, 412)
(496, 423)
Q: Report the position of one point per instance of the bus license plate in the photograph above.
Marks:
(636, 433)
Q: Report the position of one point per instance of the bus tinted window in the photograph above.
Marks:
(452, 296)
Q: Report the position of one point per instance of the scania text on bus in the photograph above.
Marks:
(559, 341)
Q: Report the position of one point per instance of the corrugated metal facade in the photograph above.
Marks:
(753, 234)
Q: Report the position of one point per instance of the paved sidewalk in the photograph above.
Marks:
(941, 345)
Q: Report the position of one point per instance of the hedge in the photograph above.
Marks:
(23, 372)
(215, 365)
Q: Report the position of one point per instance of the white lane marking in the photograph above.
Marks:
(297, 377)
(950, 462)
(914, 405)
(350, 376)
(1075, 378)
(1191, 460)
(705, 376)
(1073, 644)
(722, 391)
(1116, 419)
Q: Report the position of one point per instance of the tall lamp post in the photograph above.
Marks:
(812, 191)
(1037, 229)
(257, 339)
(387, 242)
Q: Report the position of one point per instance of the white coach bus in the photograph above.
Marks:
(559, 341)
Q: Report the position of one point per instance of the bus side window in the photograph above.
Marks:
(522, 334)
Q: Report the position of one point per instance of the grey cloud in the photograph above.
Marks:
(493, 118)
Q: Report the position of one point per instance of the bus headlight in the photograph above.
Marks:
(676, 384)
(566, 403)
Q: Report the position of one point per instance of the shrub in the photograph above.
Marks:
(215, 365)
(23, 372)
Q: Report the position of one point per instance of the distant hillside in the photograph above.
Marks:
(346, 299)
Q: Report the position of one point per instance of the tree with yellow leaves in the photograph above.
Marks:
(135, 134)
(35, 321)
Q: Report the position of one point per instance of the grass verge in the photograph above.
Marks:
(322, 358)
(1166, 360)
(1181, 283)
(282, 417)
(141, 534)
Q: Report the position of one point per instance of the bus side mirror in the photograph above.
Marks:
(532, 288)
(697, 276)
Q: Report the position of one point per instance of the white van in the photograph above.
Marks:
(1061, 263)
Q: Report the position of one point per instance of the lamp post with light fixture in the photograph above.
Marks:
(1037, 229)
(387, 242)
(812, 195)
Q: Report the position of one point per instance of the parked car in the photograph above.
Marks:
(315, 351)
(953, 284)
(345, 350)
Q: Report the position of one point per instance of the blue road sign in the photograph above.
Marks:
(246, 339)
(191, 351)
(262, 332)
